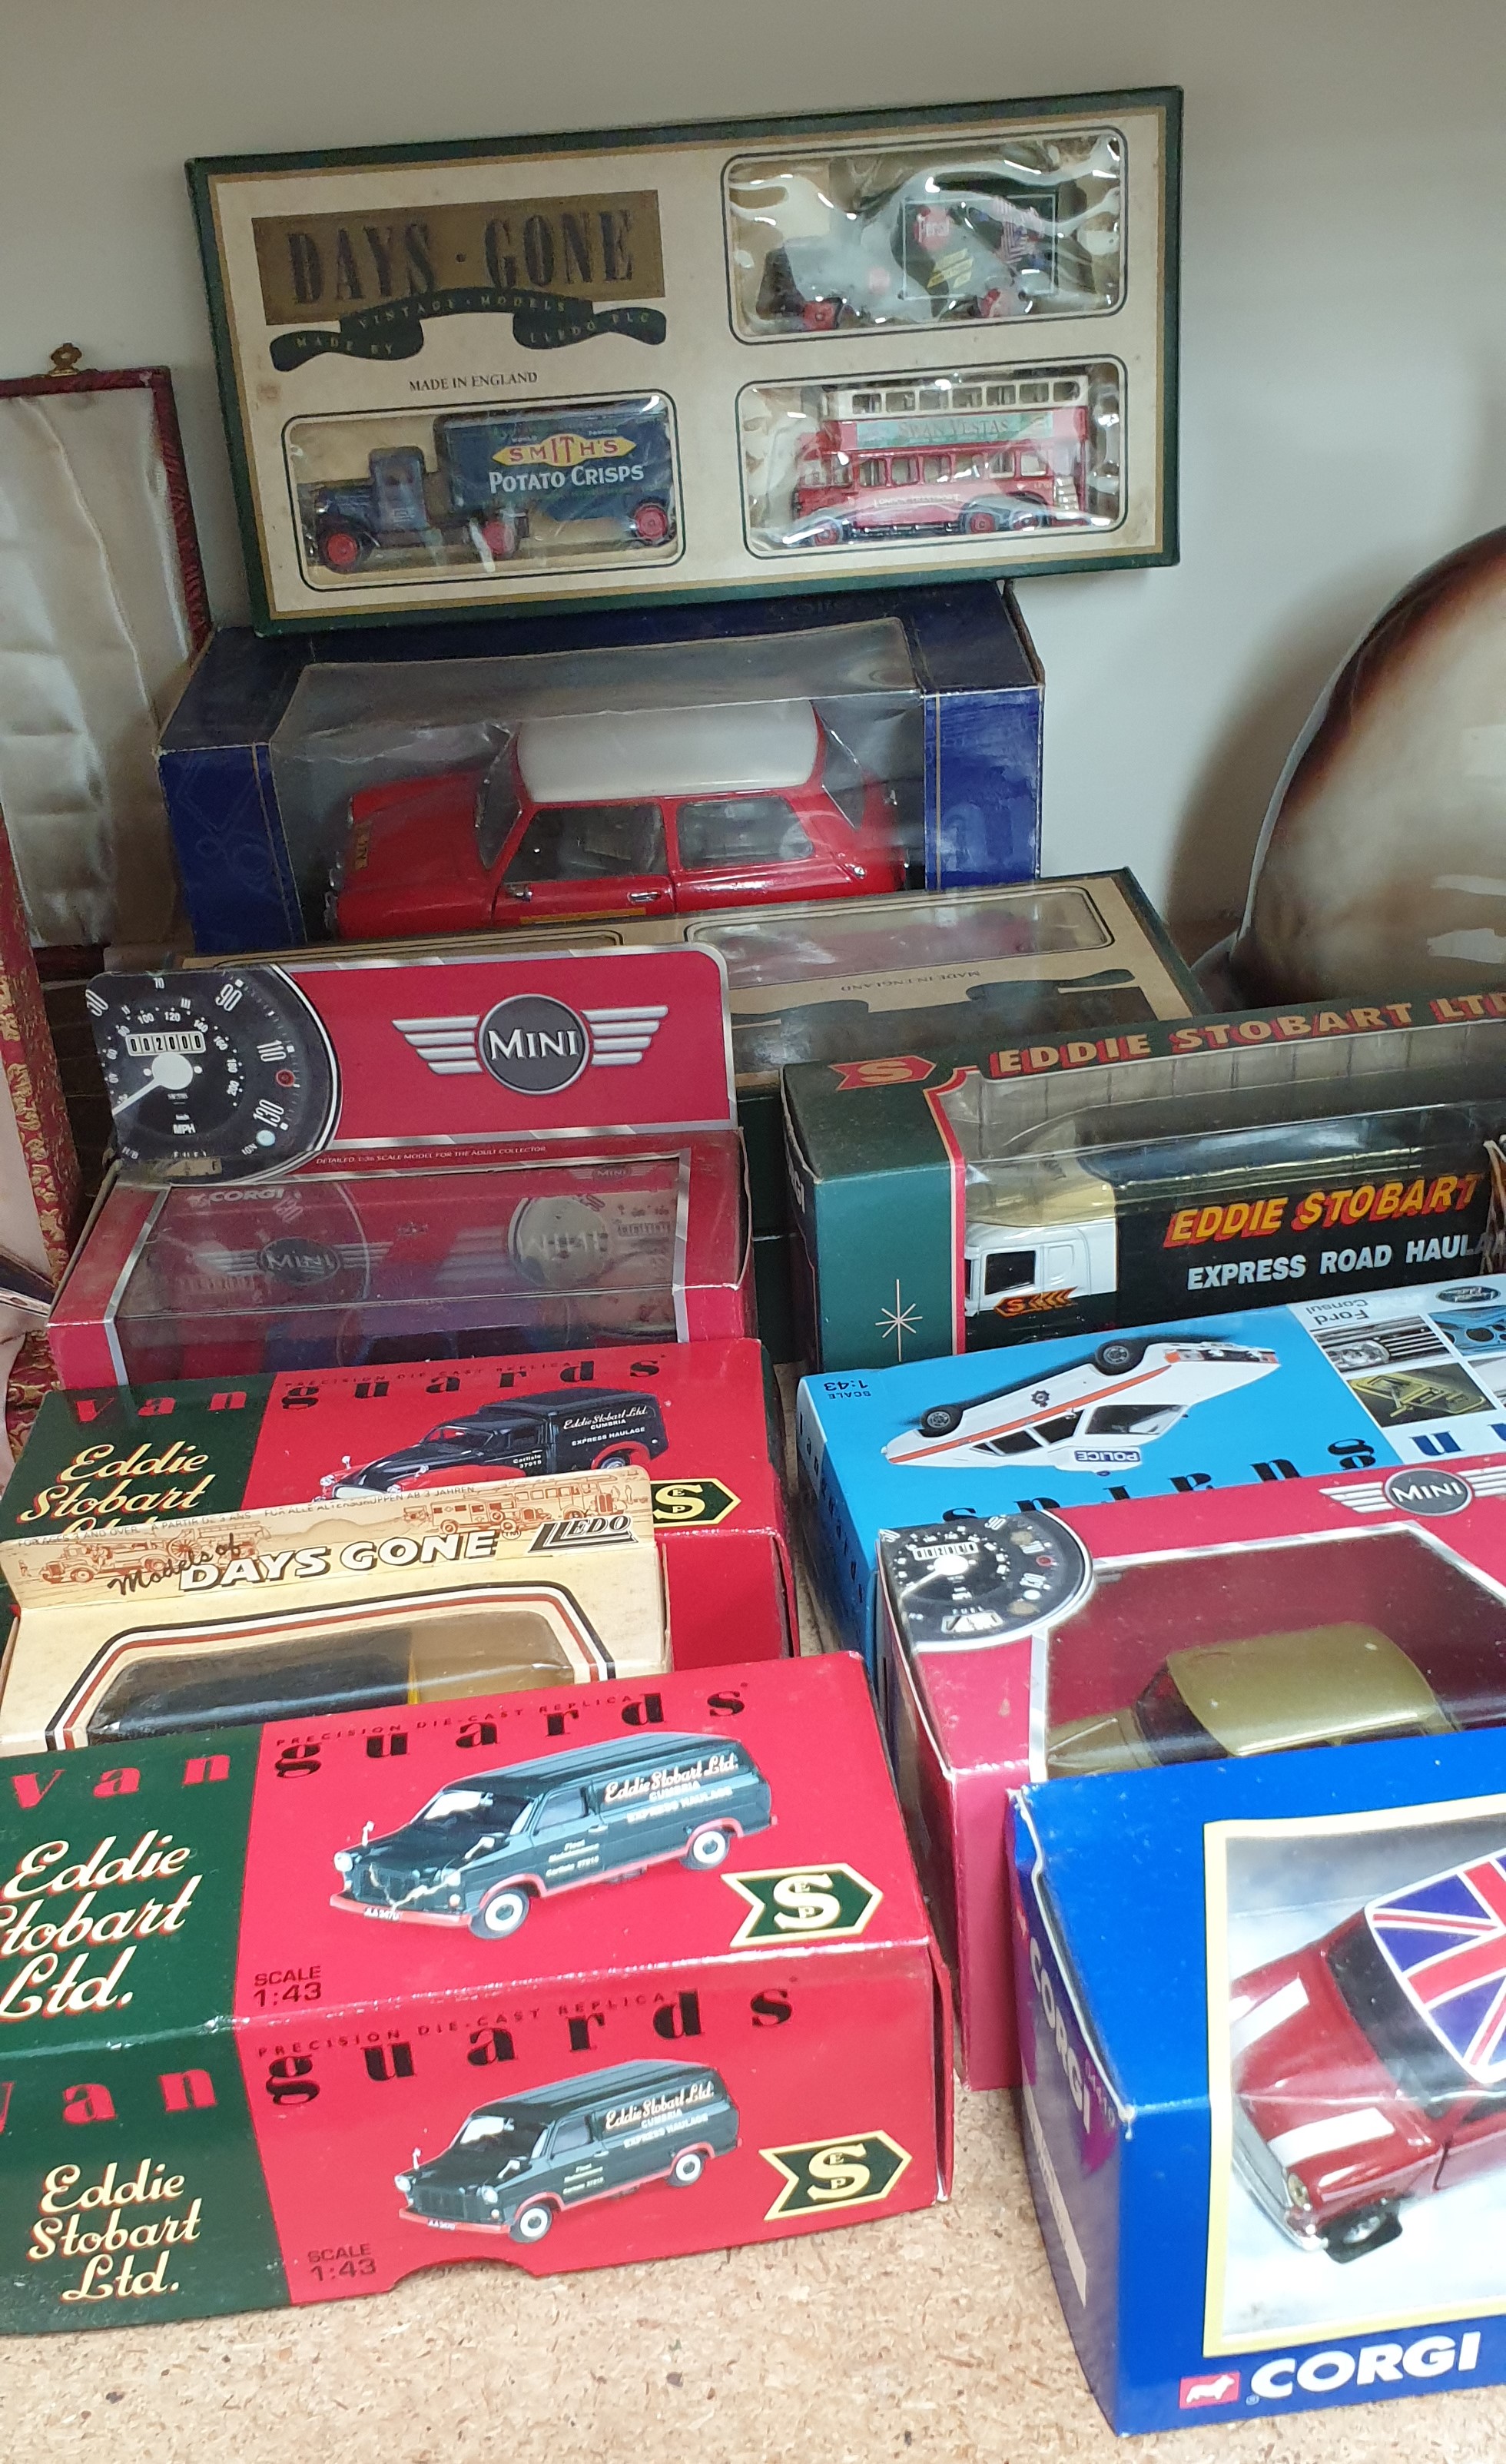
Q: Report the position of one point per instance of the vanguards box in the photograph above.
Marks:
(1029, 1646)
(347, 1161)
(1261, 2022)
(701, 1422)
(330, 1609)
(254, 2021)
(1097, 1181)
(1415, 1375)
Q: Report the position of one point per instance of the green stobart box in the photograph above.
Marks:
(1120, 1180)
(288, 2012)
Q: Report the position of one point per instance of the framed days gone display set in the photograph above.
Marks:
(747, 356)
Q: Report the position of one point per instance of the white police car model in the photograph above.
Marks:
(1093, 1414)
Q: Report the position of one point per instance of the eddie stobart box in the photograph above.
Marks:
(1409, 1375)
(1078, 1185)
(698, 1420)
(1029, 1645)
(339, 1607)
(291, 2011)
(1261, 2020)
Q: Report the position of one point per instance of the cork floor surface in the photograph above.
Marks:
(926, 2338)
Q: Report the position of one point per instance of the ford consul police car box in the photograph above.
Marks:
(1415, 1376)
(1030, 1645)
(1263, 2102)
(483, 1849)
(1085, 1184)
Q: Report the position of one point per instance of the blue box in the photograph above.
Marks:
(976, 676)
(1200, 1954)
(1404, 1376)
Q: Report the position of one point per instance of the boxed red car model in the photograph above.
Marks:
(1030, 1645)
(696, 1420)
(333, 2001)
(1262, 2010)
(345, 1162)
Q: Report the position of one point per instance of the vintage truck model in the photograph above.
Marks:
(1369, 2066)
(493, 472)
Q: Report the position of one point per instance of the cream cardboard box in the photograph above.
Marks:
(331, 1609)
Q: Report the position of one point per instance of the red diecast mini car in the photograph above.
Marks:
(1370, 2067)
(621, 813)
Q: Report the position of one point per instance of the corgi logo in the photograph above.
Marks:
(1222, 2388)
(1425, 2357)
(532, 1043)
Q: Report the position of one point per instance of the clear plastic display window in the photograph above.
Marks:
(1254, 1650)
(540, 485)
(896, 459)
(329, 1271)
(977, 229)
(814, 946)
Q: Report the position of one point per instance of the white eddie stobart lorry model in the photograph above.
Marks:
(1060, 1239)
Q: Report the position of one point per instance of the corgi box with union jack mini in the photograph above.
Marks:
(1084, 1183)
(347, 1161)
(1409, 1375)
(702, 1422)
(295, 2011)
(1263, 2032)
(1029, 1644)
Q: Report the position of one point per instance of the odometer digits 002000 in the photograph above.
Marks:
(213, 1075)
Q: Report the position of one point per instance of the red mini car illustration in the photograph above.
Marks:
(1370, 2067)
(621, 813)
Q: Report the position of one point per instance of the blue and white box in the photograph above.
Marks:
(1406, 1376)
(1263, 2032)
(270, 737)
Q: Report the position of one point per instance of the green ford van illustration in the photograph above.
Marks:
(517, 2164)
(490, 1843)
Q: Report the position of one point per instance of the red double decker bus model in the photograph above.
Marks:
(899, 460)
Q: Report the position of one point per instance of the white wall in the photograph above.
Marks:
(1344, 337)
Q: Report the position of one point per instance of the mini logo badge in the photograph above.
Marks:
(1219, 2387)
(1428, 1492)
(290, 1259)
(534, 1045)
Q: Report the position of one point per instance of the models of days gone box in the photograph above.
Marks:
(1098, 1181)
(330, 1609)
(344, 1998)
(702, 1424)
(1411, 1376)
(1028, 1646)
(1263, 2107)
